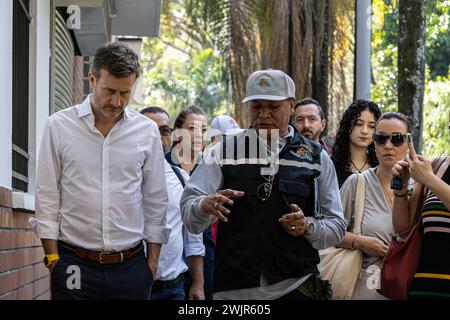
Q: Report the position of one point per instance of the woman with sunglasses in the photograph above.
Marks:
(353, 151)
(390, 147)
(432, 279)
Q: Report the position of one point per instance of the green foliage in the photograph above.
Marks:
(178, 80)
(438, 56)
(206, 78)
(384, 54)
(436, 134)
(384, 47)
(384, 90)
(438, 38)
(181, 67)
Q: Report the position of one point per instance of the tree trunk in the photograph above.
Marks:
(278, 46)
(290, 43)
(411, 64)
(243, 58)
(303, 44)
(319, 77)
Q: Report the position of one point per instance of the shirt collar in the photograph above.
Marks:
(291, 132)
(85, 109)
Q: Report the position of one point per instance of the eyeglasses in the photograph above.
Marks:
(265, 189)
(165, 131)
(397, 139)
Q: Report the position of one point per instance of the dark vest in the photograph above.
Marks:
(253, 241)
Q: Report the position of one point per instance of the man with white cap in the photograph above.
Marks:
(276, 196)
(225, 125)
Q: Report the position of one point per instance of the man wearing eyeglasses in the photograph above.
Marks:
(184, 251)
(276, 196)
(162, 119)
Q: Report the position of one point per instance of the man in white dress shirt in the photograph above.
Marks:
(182, 245)
(101, 189)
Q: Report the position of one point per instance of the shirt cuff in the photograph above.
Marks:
(44, 229)
(157, 234)
(203, 215)
(199, 206)
(192, 250)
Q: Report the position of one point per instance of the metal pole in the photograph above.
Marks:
(363, 49)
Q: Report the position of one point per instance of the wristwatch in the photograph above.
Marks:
(50, 258)
(309, 228)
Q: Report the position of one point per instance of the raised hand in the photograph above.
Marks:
(214, 203)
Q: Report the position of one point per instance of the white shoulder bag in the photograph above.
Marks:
(342, 266)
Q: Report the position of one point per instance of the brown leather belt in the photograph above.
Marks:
(103, 257)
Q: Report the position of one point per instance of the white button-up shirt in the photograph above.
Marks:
(171, 262)
(101, 193)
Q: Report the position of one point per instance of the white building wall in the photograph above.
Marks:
(39, 80)
(6, 36)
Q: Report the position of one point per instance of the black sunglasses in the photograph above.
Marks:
(397, 139)
(165, 131)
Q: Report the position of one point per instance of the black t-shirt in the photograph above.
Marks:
(342, 175)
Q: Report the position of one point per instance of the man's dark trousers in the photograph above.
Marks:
(74, 278)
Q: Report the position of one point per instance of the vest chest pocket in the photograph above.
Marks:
(297, 192)
(243, 203)
(239, 254)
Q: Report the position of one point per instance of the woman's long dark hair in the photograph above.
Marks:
(341, 150)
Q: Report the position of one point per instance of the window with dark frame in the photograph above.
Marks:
(21, 33)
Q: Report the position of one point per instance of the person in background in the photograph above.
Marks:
(354, 151)
(101, 189)
(376, 230)
(224, 124)
(187, 151)
(432, 279)
(310, 120)
(162, 120)
(190, 127)
(169, 280)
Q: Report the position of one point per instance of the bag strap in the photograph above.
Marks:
(443, 167)
(179, 175)
(439, 166)
(359, 203)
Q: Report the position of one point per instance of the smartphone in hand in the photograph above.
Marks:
(397, 182)
(409, 138)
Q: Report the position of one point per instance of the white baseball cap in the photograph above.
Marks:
(225, 124)
(274, 85)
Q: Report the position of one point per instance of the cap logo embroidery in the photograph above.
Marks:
(264, 83)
